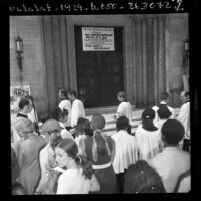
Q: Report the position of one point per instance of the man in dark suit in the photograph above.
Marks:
(25, 106)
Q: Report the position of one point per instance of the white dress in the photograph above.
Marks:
(73, 182)
(77, 111)
(64, 133)
(125, 109)
(66, 104)
(155, 108)
(126, 151)
(147, 142)
(184, 118)
(80, 143)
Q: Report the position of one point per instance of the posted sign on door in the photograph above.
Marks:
(98, 39)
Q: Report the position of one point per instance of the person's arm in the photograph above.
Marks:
(113, 150)
(94, 184)
(43, 160)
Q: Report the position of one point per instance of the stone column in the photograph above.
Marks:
(56, 53)
(64, 55)
(155, 59)
(49, 62)
(144, 61)
(162, 77)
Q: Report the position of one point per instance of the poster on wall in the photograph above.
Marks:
(98, 39)
(16, 92)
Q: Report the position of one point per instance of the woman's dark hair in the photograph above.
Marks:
(122, 123)
(55, 141)
(83, 127)
(164, 95)
(163, 112)
(43, 118)
(18, 189)
(147, 119)
(58, 113)
(180, 179)
(70, 147)
(142, 178)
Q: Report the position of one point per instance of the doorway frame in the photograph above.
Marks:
(128, 54)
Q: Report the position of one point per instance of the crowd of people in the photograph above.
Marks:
(69, 154)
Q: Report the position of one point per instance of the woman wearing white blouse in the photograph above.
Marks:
(78, 177)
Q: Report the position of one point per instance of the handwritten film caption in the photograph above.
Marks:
(176, 5)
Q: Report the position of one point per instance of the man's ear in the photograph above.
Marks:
(163, 139)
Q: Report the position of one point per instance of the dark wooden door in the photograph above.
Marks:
(99, 73)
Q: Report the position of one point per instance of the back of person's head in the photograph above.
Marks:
(23, 102)
(55, 141)
(80, 125)
(100, 142)
(59, 114)
(163, 112)
(87, 129)
(142, 178)
(63, 92)
(147, 119)
(172, 132)
(43, 118)
(18, 189)
(51, 126)
(122, 123)
(24, 126)
(97, 122)
(72, 92)
(70, 147)
(122, 94)
(163, 95)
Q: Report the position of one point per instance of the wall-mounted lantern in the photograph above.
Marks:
(19, 50)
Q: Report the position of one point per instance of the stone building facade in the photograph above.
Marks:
(152, 54)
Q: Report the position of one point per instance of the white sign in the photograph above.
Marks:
(16, 92)
(97, 39)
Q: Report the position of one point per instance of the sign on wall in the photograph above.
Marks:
(16, 92)
(98, 39)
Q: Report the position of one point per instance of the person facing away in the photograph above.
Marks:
(172, 161)
(148, 136)
(61, 116)
(51, 129)
(142, 178)
(124, 109)
(65, 104)
(78, 176)
(25, 107)
(83, 131)
(163, 114)
(100, 150)
(77, 108)
(28, 155)
(184, 118)
(126, 150)
(163, 101)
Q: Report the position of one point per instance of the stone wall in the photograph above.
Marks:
(33, 73)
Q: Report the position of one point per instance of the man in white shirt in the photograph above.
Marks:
(77, 108)
(124, 109)
(172, 161)
(184, 118)
(163, 100)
